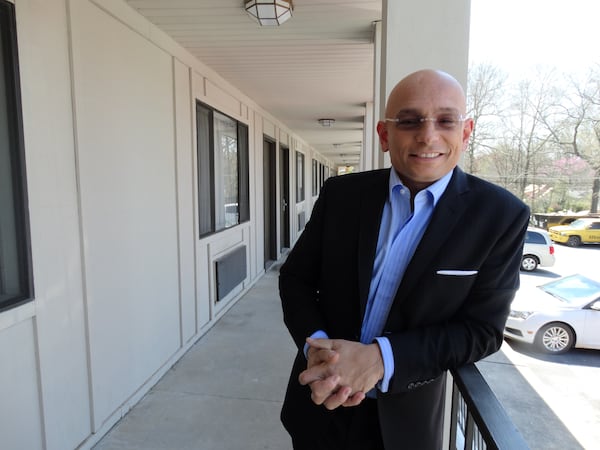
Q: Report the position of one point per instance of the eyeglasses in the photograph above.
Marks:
(445, 121)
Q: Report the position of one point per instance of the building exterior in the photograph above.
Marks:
(142, 195)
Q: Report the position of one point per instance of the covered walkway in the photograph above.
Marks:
(227, 390)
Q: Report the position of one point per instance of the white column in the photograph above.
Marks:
(366, 160)
(378, 158)
(430, 34)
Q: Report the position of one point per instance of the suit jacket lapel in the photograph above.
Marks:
(447, 212)
(371, 205)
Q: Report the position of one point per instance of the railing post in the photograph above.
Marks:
(477, 419)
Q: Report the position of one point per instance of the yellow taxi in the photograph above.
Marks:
(580, 231)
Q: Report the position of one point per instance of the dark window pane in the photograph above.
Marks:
(315, 181)
(15, 282)
(299, 177)
(534, 238)
(244, 171)
(205, 170)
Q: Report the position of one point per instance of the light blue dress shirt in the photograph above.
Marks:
(400, 232)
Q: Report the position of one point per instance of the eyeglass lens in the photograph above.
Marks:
(446, 121)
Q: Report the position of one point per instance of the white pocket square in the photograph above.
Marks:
(457, 273)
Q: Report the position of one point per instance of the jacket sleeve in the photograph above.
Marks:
(324, 281)
(299, 278)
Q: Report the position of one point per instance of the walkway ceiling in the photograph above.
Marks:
(319, 64)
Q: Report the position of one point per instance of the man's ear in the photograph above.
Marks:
(467, 131)
(383, 136)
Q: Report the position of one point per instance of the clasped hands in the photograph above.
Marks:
(341, 372)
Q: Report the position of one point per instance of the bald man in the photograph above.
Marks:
(400, 275)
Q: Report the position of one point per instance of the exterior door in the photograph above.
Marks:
(270, 199)
(284, 172)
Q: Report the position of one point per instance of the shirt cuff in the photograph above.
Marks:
(388, 363)
(319, 334)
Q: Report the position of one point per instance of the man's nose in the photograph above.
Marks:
(427, 132)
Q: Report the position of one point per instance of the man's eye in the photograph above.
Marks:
(409, 121)
(447, 121)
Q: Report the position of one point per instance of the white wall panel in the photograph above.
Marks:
(284, 138)
(255, 174)
(245, 113)
(269, 129)
(125, 145)
(185, 198)
(53, 210)
(20, 423)
(204, 301)
(259, 203)
(222, 100)
(198, 86)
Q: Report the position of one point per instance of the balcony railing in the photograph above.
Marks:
(477, 420)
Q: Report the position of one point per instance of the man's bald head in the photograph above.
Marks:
(432, 82)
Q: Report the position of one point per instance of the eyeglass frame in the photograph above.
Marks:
(461, 118)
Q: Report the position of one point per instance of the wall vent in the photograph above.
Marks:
(230, 271)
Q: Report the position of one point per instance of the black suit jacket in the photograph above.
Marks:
(450, 308)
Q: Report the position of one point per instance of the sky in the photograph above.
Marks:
(517, 35)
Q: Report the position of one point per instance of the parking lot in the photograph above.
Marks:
(554, 400)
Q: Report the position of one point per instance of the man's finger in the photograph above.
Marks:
(355, 399)
(322, 360)
(323, 389)
(314, 374)
(338, 398)
(323, 344)
(317, 356)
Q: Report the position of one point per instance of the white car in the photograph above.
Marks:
(538, 250)
(558, 315)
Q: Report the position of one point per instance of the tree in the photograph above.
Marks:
(577, 129)
(528, 135)
(525, 131)
(568, 176)
(485, 86)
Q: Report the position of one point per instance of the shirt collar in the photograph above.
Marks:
(436, 189)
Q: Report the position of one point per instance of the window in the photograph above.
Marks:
(299, 177)
(315, 177)
(534, 238)
(223, 171)
(15, 265)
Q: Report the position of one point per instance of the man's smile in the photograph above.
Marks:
(427, 155)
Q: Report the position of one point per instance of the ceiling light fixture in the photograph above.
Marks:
(326, 122)
(270, 12)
